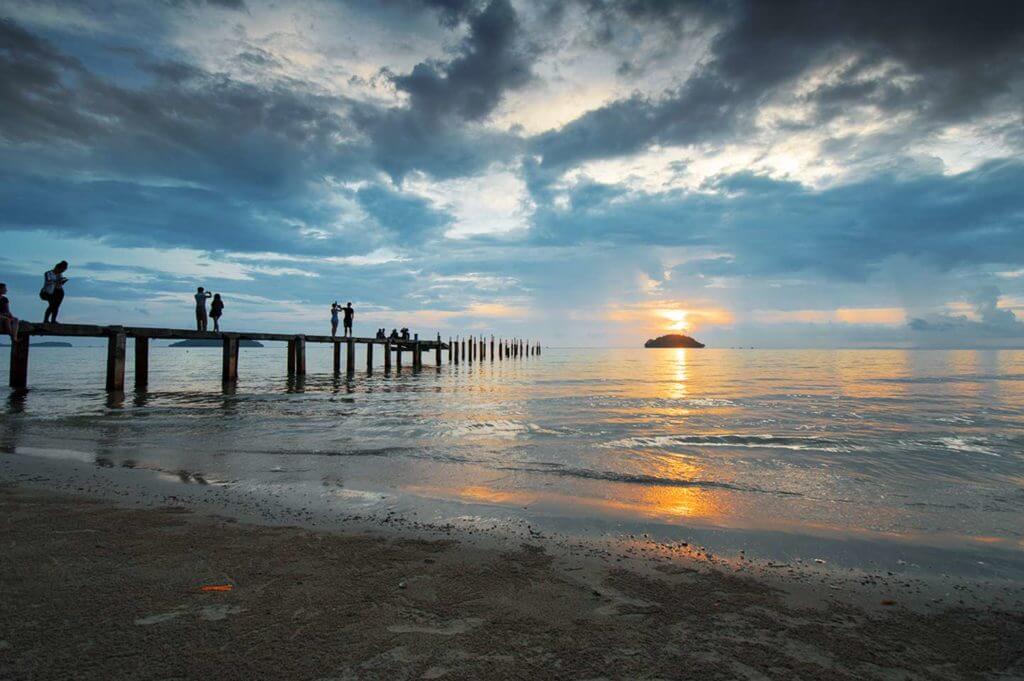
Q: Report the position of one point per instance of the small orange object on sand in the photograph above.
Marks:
(218, 587)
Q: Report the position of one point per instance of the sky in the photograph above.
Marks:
(591, 172)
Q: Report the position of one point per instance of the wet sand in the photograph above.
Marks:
(96, 590)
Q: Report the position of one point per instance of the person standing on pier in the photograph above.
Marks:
(335, 309)
(350, 313)
(216, 310)
(53, 290)
(201, 297)
(7, 320)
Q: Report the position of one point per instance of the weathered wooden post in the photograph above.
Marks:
(398, 356)
(19, 360)
(449, 349)
(463, 349)
(116, 342)
(472, 349)
(369, 357)
(230, 363)
(456, 350)
(350, 356)
(337, 357)
(387, 357)
(492, 347)
(300, 355)
(291, 357)
(417, 354)
(437, 351)
(141, 363)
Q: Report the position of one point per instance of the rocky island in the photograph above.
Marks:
(673, 340)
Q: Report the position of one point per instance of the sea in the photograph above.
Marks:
(847, 457)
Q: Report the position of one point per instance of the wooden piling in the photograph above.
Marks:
(337, 357)
(141, 363)
(463, 349)
(369, 358)
(387, 357)
(456, 350)
(116, 342)
(449, 349)
(350, 357)
(19, 361)
(230, 359)
(437, 351)
(417, 355)
(492, 348)
(398, 356)
(300, 355)
(291, 356)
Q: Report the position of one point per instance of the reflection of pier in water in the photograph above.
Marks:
(466, 350)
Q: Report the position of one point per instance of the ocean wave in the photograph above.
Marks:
(815, 444)
(971, 445)
(639, 479)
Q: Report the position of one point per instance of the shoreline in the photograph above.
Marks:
(116, 576)
(337, 507)
(121, 589)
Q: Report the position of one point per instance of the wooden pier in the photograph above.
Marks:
(117, 343)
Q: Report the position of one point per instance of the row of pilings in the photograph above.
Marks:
(468, 349)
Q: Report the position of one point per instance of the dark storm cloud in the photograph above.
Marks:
(991, 321)
(436, 132)
(491, 61)
(410, 218)
(845, 232)
(955, 60)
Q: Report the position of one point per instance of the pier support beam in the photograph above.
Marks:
(417, 354)
(141, 363)
(300, 355)
(19, 361)
(437, 351)
(230, 363)
(369, 358)
(291, 357)
(350, 356)
(387, 356)
(398, 357)
(449, 349)
(116, 342)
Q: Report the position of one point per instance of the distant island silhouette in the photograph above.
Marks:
(213, 343)
(673, 340)
(46, 344)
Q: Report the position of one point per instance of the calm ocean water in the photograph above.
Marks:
(775, 449)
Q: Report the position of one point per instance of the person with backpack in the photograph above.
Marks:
(216, 310)
(349, 313)
(53, 291)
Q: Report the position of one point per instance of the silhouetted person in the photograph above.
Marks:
(335, 309)
(216, 310)
(53, 290)
(8, 322)
(349, 315)
(405, 333)
(201, 297)
(394, 334)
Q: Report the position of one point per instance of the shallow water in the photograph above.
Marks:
(781, 452)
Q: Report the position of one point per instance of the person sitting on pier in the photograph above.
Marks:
(335, 309)
(405, 333)
(8, 322)
(394, 334)
(349, 314)
(216, 310)
(201, 296)
(53, 290)
(381, 334)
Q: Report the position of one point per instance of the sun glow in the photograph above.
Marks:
(677, 318)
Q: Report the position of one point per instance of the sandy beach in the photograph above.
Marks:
(96, 590)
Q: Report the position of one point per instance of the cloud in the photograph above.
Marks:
(986, 321)
(823, 59)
